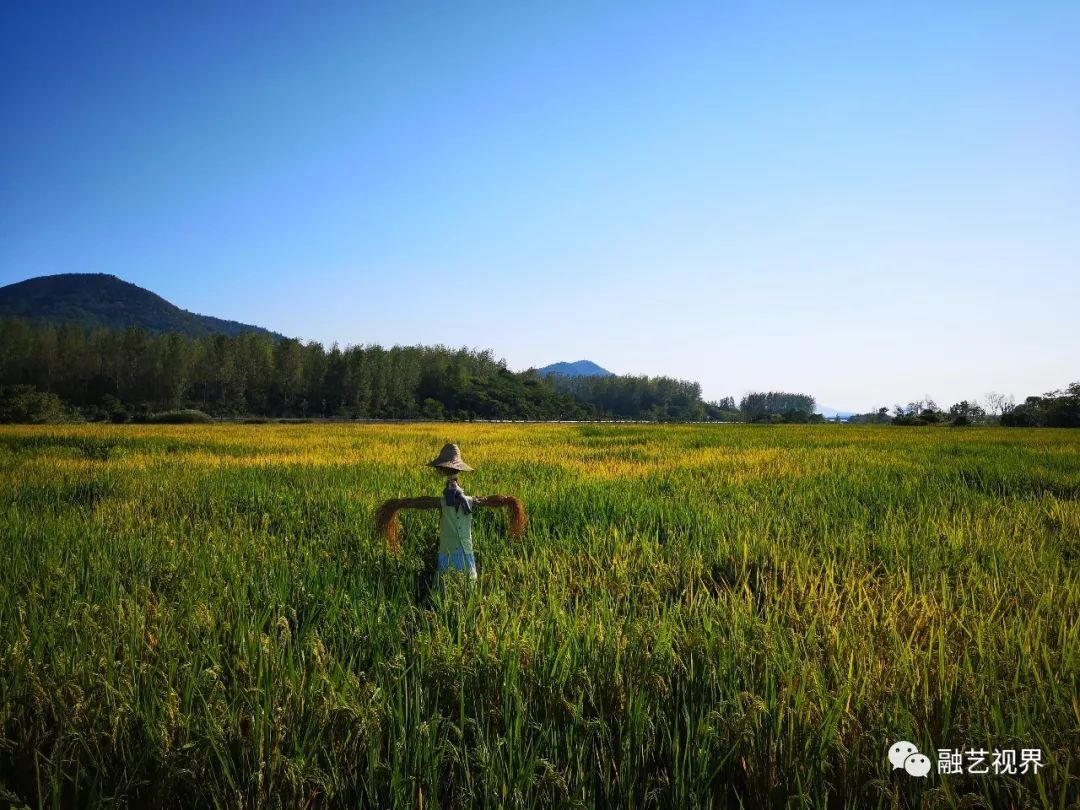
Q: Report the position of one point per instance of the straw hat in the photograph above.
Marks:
(450, 459)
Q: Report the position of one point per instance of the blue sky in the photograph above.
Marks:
(867, 202)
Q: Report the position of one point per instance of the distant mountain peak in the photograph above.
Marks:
(101, 299)
(832, 413)
(578, 368)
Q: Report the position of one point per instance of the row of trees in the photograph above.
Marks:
(656, 398)
(778, 406)
(1053, 409)
(927, 412)
(120, 374)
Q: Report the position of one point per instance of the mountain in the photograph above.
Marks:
(580, 368)
(100, 299)
(832, 413)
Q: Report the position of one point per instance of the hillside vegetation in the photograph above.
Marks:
(101, 300)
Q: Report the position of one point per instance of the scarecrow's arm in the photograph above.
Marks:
(423, 502)
(512, 505)
(386, 518)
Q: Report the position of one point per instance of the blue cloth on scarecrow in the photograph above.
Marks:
(454, 495)
(457, 560)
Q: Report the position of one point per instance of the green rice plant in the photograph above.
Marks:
(725, 616)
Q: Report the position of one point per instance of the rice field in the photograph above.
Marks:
(727, 616)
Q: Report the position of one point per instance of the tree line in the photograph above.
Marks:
(114, 374)
(654, 398)
(1059, 408)
(779, 406)
(52, 372)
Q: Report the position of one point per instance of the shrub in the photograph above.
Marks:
(24, 403)
(909, 420)
(768, 419)
(183, 417)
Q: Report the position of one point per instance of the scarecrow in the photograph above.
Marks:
(455, 515)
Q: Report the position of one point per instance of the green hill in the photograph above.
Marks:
(100, 299)
(579, 368)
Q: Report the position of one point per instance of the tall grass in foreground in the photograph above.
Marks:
(727, 616)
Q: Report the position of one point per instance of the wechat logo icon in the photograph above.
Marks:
(905, 755)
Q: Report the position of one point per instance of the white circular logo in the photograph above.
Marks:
(917, 764)
(901, 751)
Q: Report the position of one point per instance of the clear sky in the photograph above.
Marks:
(869, 202)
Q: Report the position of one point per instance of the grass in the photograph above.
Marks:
(698, 615)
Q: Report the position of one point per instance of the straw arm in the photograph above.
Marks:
(423, 502)
(388, 528)
(513, 505)
(386, 517)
